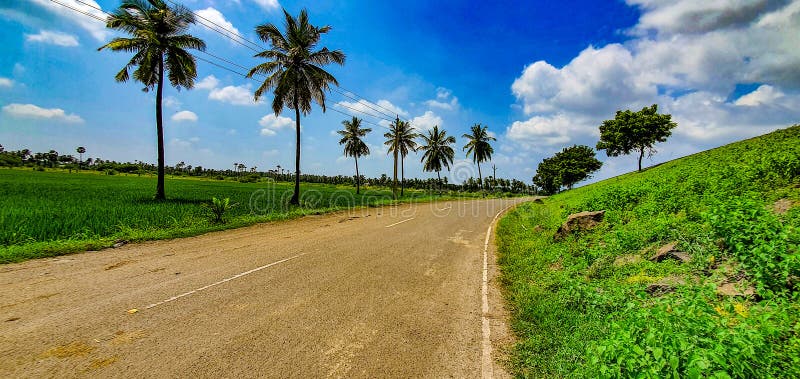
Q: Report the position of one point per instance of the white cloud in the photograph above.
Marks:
(444, 100)
(209, 82)
(6, 82)
(236, 95)
(392, 108)
(172, 102)
(53, 38)
(216, 17)
(271, 124)
(94, 27)
(36, 112)
(688, 57)
(764, 94)
(426, 121)
(182, 116)
(268, 4)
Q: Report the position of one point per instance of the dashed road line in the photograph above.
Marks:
(248, 272)
(399, 222)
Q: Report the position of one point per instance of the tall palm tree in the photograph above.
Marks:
(354, 146)
(400, 140)
(294, 70)
(159, 43)
(437, 151)
(478, 146)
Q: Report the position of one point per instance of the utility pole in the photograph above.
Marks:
(494, 175)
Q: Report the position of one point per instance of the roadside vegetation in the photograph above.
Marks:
(722, 303)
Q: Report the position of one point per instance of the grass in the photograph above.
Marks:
(54, 212)
(580, 306)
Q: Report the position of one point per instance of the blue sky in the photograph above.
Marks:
(542, 76)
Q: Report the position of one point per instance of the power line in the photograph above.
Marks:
(360, 101)
(344, 91)
(225, 29)
(96, 17)
(350, 115)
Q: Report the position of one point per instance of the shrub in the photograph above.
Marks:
(218, 207)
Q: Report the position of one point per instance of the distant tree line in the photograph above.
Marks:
(240, 172)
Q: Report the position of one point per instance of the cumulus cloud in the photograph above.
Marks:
(765, 94)
(426, 121)
(97, 29)
(268, 4)
(6, 82)
(271, 124)
(209, 82)
(36, 112)
(236, 95)
(184, 116)
(216, 17)
(53, 38)
(444, 100)
(688, 57)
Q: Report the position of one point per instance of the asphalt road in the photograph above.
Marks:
(381, 292)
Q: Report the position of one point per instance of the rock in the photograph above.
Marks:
(782, 206)
(579, 221)
(538, 201)
(119, 243)
(628, 259)
(664, 286)
(736, 289)
(668, 251)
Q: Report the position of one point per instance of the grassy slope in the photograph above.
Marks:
(55, 212)
(578, 313)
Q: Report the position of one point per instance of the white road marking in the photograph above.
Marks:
(487, 369)
(223, 281)
(445, 208)
(399, 222)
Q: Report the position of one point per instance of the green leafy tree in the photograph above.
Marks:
(567, 167)
(479, 147)
(400, 140)
(294, 71)
(437, 152)
(80, 150)
(159, 43)
(635, 131)
(354, 145)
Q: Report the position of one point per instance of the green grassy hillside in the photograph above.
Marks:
(594, 305)
(55, 212)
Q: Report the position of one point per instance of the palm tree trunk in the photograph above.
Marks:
(641, 154)
(402, 175)
(358, 178)
(480, 180)
(296, 196)
(160, 195)
(439, 177)
(394, 183)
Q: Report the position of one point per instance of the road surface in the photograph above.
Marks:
(375, 292)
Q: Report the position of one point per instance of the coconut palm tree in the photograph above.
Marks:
(80, 151)
(437, 151)
(354, 146)
(478, 146)
(159, 43)
(294, 70)
(400, 139)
